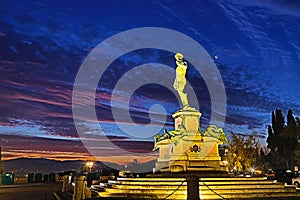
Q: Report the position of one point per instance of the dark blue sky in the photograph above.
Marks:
(254, 44)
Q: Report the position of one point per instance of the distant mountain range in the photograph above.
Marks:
(22, 166)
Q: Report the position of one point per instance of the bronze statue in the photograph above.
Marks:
(180, 80)
(173, 135)
(215, 132)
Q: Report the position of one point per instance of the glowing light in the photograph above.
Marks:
(90, 164)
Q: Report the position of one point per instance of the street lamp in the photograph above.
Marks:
(90, 164)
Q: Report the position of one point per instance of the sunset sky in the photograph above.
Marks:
(254, 44)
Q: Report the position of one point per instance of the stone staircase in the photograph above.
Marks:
(210, 188)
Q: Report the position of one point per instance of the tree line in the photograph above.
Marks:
(244, 152)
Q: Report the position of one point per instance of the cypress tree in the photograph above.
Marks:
(291, 122)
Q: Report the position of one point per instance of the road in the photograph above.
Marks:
(33, 191)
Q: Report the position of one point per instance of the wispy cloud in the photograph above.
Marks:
(42, 47)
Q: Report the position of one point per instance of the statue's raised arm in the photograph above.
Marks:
(180, 80)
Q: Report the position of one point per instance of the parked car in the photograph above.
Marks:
(271, 175)
(284, 176)
(296, 182)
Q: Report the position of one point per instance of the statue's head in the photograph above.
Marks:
(178, 56)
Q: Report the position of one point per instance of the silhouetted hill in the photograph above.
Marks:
(23, 166)
(140, 167)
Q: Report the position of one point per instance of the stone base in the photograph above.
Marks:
(192, 153)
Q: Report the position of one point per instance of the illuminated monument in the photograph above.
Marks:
(186, 148)
(195, 156)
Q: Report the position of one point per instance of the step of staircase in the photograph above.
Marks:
(209, 188)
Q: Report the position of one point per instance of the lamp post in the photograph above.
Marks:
(90, 164)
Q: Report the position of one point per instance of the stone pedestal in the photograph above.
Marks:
(188, 118)
(193, 152)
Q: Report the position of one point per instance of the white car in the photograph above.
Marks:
(296, 182)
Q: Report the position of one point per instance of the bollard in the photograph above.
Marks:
(193, 187)
(87, 192)
(79, 188)
(65, 183)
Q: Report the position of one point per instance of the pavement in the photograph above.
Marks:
(32, 191)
